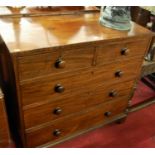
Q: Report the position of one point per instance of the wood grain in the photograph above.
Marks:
(42, 89)
(54, 31)
(76, 122)
(91, 67)
(38, 115)
(5, 140)
(112, 51)
(44, 64)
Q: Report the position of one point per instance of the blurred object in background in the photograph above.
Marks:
(38, 10)
(116, 17)
(145, 16)
(140, 15)
(58, 8)
(16, 9)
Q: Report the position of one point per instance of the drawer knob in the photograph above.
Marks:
(125, 51)
(107, 114)
(113, 93)
(59, 88)
(60, 64)
(57, 132)
(119, 74)
(57, 111)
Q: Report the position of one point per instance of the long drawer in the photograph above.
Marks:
(57, 109)
(54, 88)
(67, 126)
(64, 61)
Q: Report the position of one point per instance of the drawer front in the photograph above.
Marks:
(52, 88)
(54, 63)
(57, 62)
(124, 50)
(60, 108)
(75, 123)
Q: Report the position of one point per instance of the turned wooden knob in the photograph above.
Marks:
(107, 114)
(125, 51)
(56, 132)
(60, 63)
(57, 111)
(113, 93)
(119, 74)
(59, 88)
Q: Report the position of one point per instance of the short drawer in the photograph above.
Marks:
(55, 88)
(53, 110)
(54, 62)
(121, 50)
(72, 124)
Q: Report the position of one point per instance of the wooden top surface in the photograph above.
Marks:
(30, 33)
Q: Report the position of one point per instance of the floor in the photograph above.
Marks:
(137, 132)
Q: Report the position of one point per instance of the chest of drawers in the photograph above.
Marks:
(4, 129)
(67, 74)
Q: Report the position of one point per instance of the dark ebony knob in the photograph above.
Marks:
(119, 74)
(57, 111)
(60, 64)
(56, 132)
(107, 114)
(59, 88)
(125, 51)
(113, 93)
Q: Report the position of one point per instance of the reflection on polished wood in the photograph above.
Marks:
(15, 9)
(67, 74)
(53, 31)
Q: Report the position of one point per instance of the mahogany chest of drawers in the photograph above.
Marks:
(4, 128)
(67, 74)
